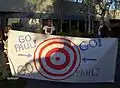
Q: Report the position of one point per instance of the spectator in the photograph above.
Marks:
(2, 56)
(6, 33)
(1, 41)
(102, 30)
(49, 28)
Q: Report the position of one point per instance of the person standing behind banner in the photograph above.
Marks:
(99, 31)
(3, 69)
(1, 41)
(49, 28)
(6, 33)
(102, 30)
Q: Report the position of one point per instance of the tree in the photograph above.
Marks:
(100, 9)
(90, 12)
(104, 7)
(33, 7)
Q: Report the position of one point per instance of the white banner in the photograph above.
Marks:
(62, 58)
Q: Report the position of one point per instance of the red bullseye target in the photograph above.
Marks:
(58, 67)
(59, 58)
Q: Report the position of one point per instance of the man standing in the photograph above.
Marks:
(6, 33)
(3, 69)
(49, 28)
(102, 30)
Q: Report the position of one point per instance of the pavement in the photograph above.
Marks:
(38, 84)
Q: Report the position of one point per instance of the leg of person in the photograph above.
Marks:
(1, 57)
(3, 65)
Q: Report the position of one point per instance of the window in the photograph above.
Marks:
(65, 26)
(81, 26)
(80, 1)
(74, 24)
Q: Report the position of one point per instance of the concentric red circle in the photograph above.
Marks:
(54, 66)
(50, 73)
(58, 67)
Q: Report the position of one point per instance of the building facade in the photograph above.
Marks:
(66, 15)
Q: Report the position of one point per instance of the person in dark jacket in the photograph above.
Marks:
(1, 41)
(103, 30)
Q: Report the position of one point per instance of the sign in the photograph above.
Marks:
(62, 58)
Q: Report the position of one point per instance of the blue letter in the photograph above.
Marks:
(93, 43)
(84, 46)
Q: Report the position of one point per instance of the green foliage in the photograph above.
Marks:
(87, 2)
